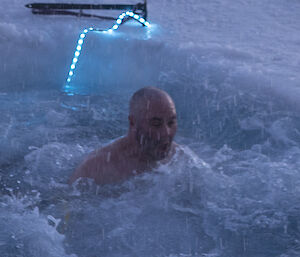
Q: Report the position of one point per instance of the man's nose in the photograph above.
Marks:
(165, 131)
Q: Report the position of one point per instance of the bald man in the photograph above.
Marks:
(152, 127)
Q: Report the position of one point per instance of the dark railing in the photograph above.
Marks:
(64, 9)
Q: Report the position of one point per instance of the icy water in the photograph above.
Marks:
(236, 189)
(236, 195)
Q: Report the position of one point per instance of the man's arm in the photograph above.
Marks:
(92, 168)
(83, 171)
(98, 167)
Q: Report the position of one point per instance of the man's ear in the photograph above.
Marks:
(131, 121)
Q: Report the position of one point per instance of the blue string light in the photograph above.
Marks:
(119, 21)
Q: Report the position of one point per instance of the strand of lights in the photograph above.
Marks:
(82, 36)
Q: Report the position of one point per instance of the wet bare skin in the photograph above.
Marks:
(114, 163)
(149, 142)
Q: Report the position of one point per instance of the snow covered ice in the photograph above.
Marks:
(232, 68)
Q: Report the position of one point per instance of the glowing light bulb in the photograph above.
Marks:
(71, 73)
(109, 31)
(91, 29)
(147, 24)
(77, 53)
(75, 60)
(82, 36)
(85, 31)
(130, 14)
(68, 80)
(142, 20)
(78, 48)
(72, 66)
(80, 41)
(136, 16)
(115, 27)
(119, 21)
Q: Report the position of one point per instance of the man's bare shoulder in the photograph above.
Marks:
(100, 164)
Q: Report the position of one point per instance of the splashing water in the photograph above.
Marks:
(232, 70)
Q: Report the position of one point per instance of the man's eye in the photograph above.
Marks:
(171, 123)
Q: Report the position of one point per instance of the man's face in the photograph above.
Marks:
(156, 128)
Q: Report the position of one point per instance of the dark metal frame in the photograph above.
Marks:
(67, 9)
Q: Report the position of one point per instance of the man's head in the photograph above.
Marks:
(153, 123)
